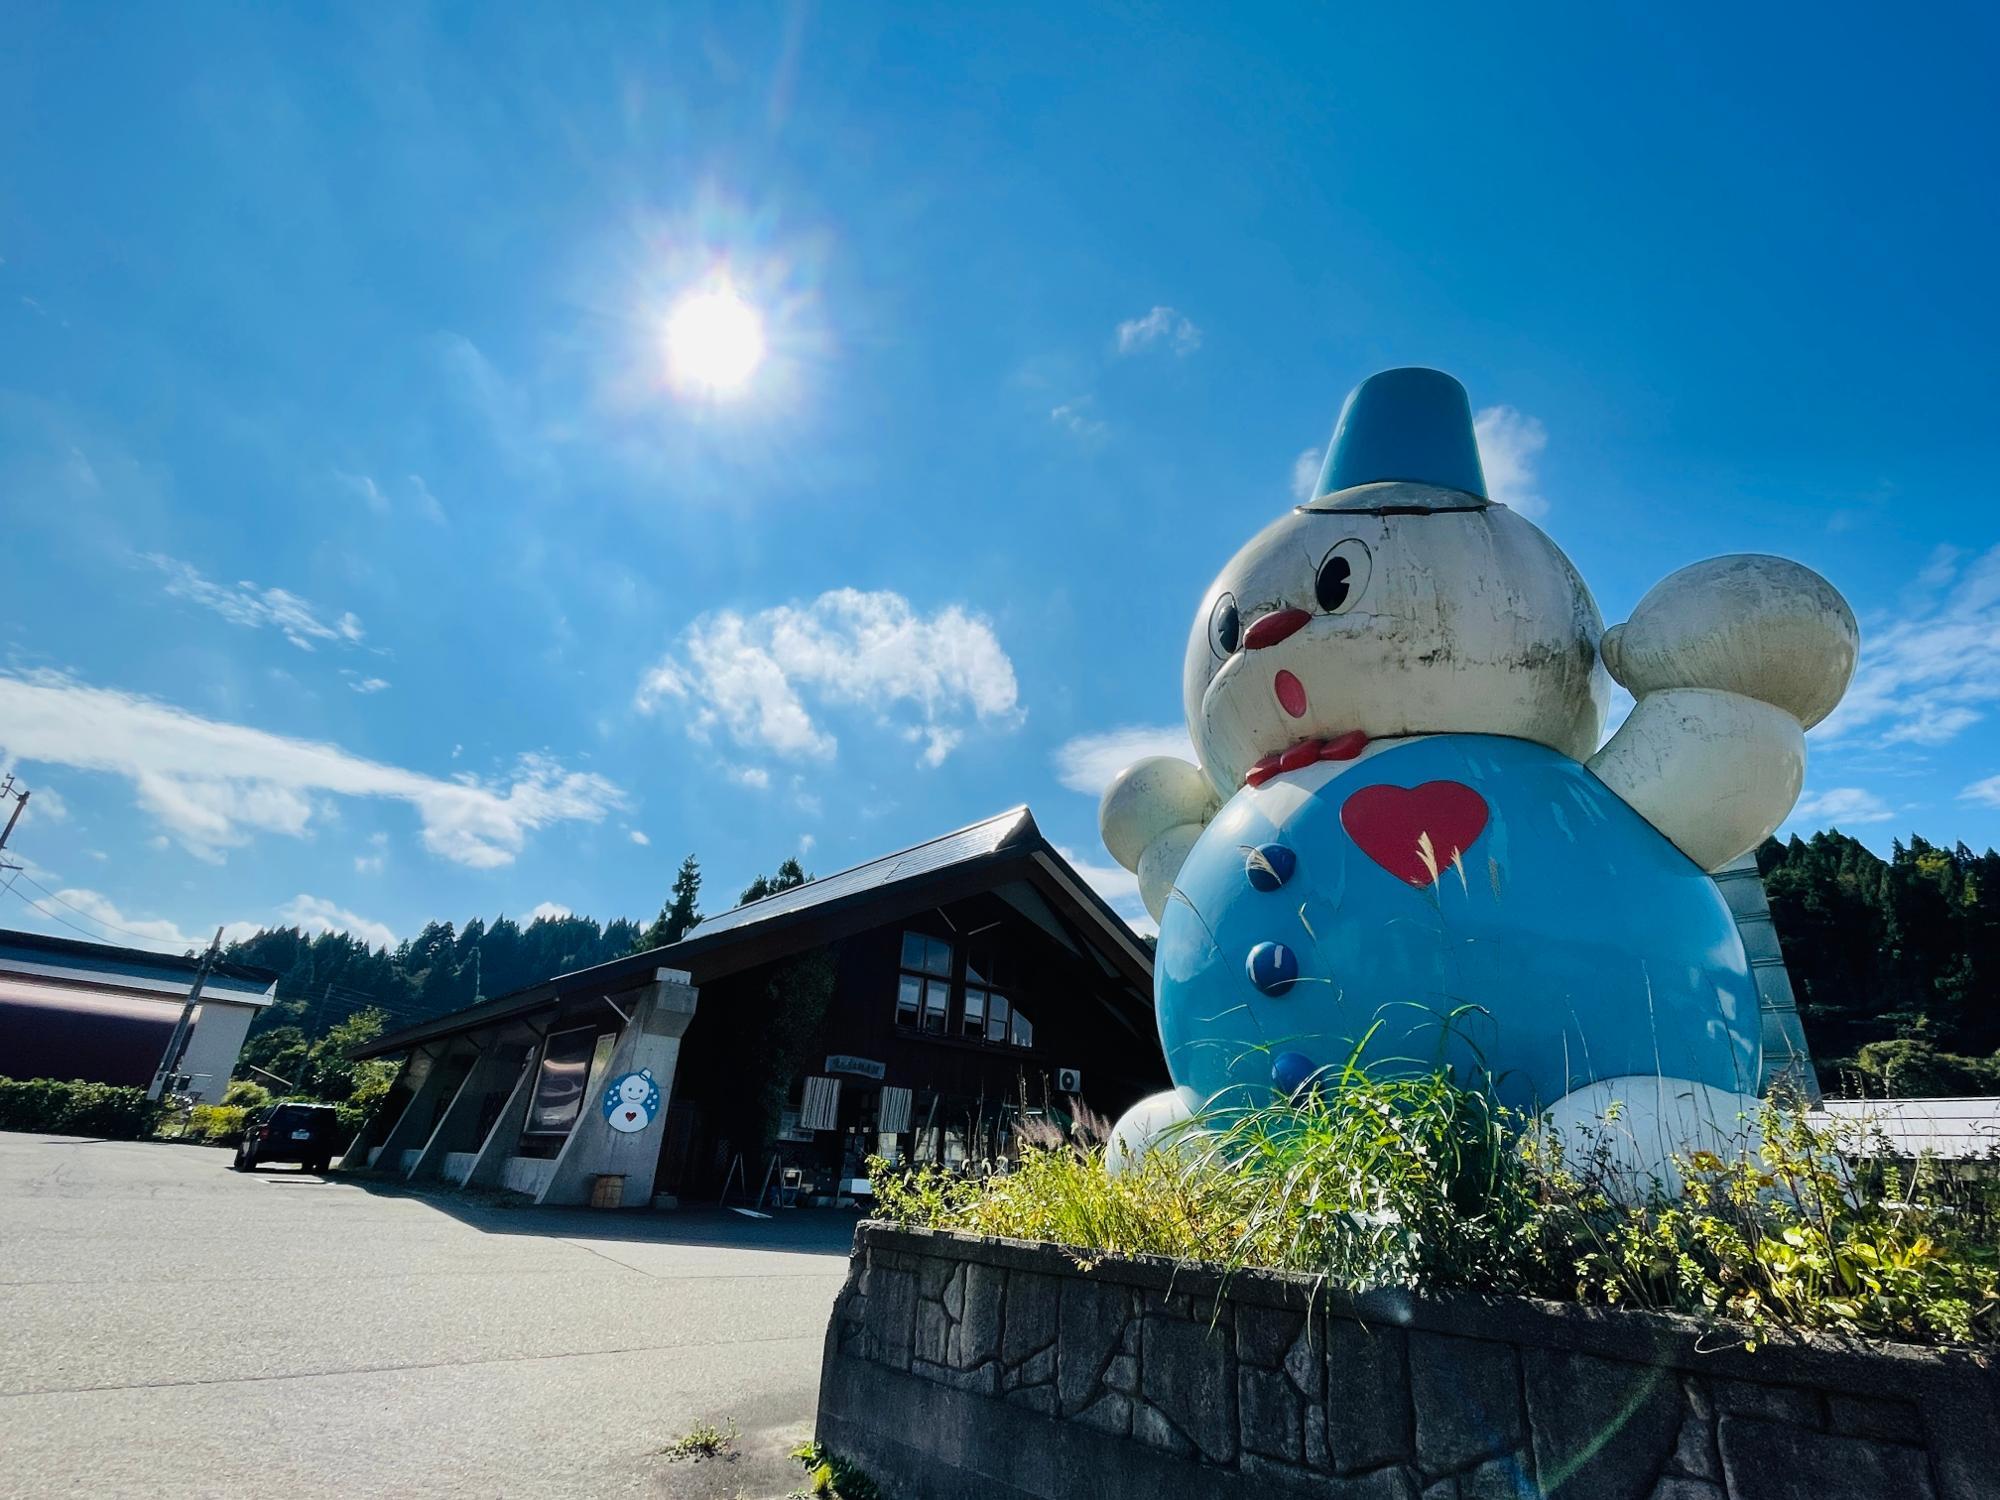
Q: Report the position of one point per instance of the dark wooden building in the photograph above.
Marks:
(918, 1007)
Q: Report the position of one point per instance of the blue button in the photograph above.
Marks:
(1270, 866)
(1291, 1072)
(1274, 968)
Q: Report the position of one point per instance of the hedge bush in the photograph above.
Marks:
(217, 1124)
(52, 1106)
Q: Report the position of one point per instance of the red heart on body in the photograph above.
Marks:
(631, 1114)
(1414, 832)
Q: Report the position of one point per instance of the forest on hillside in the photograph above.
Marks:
(1895, 963)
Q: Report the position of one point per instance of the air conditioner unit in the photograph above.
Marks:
(1069, 1080)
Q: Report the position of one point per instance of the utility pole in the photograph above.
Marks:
(177, 1043)
(20, 805)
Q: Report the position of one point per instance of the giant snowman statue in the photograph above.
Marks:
(1407, 834)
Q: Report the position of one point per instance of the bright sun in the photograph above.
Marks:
(714, 342)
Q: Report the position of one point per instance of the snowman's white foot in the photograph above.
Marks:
(1630, 1129)
(1158, 1122)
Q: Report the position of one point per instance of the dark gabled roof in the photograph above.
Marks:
(110, 959)
(1006, 846)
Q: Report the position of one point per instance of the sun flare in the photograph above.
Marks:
(714, 342)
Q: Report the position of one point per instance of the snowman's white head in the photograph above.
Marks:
(1400, 601)
(633, 1088)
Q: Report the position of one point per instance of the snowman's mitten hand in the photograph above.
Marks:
(1764, 627)
(1714, 772)
(1151, 814)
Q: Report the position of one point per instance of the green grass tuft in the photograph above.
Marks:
(1425, 1183)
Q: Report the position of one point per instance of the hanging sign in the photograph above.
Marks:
(840, 1063)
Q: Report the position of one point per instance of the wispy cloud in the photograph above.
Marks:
(638, 837)
(1305, 473)
(1840, 804)
(1931, 670)
(1510, 447)
(1074, 417)
(74, 901)
(411, 497)
(1088, 762)
(764, 680)
(316, 914)
(213, 785)
(548, 911)
(255, 607)
(1163, 327)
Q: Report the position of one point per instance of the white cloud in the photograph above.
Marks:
(1163, 325)
(1305, 473)
(371, 864)
(378, 500)
(212, 784)
(1088, 762)
(45, 805)
(1074, 418)
(755, 777)
(548, 911)
(1986, 793)
(101, 909)
(316, 914)
(362, 684)
(1840, 804)
(806, 842)
(639, 838)
(1510, 444)
(246, 604)
(750, 678)
(1117, 885)
(1931, 670)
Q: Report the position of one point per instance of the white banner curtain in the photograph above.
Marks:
(895, 1112)
(820, 1108)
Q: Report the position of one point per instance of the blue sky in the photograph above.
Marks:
(367, 567)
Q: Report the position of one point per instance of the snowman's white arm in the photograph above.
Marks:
(1151, 814)
(1715, 772)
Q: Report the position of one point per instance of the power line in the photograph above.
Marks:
(93, 916)
(56, 916)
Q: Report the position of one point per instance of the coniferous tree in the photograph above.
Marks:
(789, 874)
(679, 914)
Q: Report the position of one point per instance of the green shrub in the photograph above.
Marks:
(217, 1124)
(1431, 1185)
(54, 1107)
(246, 1094)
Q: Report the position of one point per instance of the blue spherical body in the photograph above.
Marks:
(1478, 901)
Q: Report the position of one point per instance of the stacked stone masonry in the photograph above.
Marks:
(958, 1366)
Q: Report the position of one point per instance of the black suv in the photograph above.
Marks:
(308, 1134)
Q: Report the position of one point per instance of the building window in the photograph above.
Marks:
(923, 987)
(988, 978)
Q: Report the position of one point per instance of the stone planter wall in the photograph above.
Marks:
(962, 1367)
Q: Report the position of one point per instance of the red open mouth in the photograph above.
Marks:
(1304, 753)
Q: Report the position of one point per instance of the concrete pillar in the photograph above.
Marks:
(355, 1157)
(407, 1133)
(212, 1047)
(504, 1139)
(460, 1119)
(651, 1040)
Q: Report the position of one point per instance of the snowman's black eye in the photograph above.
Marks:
(1225, 628)
(1342, 577)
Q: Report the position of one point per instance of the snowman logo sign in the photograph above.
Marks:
(1407, 833)
(631, 1102)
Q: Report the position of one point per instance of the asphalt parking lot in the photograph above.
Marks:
(175, 1329)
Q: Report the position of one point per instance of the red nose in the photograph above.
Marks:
(1270, 629)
